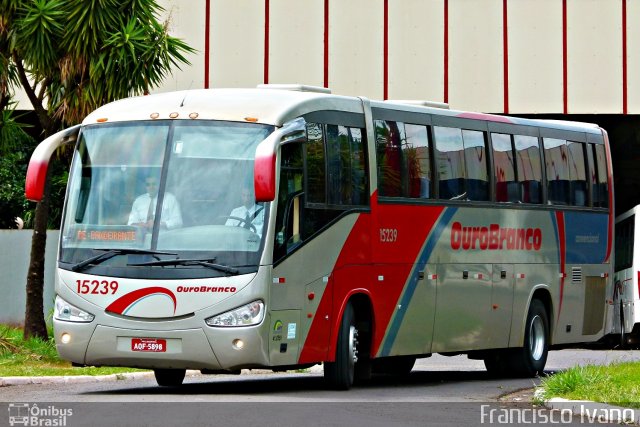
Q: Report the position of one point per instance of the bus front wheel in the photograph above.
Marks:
(529, 360)
(340, 374)
(169, 377)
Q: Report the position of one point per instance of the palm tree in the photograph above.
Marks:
(71, 57)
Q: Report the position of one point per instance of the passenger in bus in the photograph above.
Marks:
(250, 215)
(144, 208)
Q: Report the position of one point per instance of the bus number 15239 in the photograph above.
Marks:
(95, 287)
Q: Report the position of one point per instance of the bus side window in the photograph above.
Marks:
(450, 160)
(475, 159)
(577, 174)
(389, 139)
(291, 171)
(529, 168)
(507, 189)
(418, 158)
(624, 243)
(556, 160)
(602, 177)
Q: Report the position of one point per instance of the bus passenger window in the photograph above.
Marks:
(418, 159)
(450, 161)
(315, 158)
(507, 188)
(577, 174)
(475, 157)
(602, 200)
(557, 165)
(529, 168)
(389, 139)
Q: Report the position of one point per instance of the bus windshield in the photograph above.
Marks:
(169, 190)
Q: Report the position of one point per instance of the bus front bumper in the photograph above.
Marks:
(189, 348)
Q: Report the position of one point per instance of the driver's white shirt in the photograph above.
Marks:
(242, 211)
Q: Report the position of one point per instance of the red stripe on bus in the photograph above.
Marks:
(505, 55)
(562, 249)
(611, 233)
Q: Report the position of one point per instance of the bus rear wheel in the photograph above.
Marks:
(169, 377)
(340, 374)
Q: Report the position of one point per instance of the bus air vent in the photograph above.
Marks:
(295, 88)
(576, 275)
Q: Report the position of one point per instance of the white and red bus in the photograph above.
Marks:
(298, 227)
(626, 292)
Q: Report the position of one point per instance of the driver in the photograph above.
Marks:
(249, 215)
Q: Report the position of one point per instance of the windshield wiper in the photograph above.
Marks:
(208, 262)
(110, 253)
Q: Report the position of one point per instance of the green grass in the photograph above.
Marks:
(37, 357)
(616, 384)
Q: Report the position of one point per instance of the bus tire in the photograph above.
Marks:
(529, 360)
(340, 374)
(169, 377)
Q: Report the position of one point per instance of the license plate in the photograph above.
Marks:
(148, 344)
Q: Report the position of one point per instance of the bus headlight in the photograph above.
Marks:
(247, 315)
(70, 313)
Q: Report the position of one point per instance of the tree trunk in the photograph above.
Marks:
(34, 323)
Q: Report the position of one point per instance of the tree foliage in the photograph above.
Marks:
(70, 57)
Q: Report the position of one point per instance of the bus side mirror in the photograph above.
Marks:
(39, 163)
(264, 176)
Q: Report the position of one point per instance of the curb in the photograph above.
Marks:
(73, 379)
(592, 412)
(78, 379)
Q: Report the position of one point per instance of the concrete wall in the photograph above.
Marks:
(15, 249)
(498, 56)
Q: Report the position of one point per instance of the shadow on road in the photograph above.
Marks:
(293, 383)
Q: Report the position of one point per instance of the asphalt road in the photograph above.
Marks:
(440, 391)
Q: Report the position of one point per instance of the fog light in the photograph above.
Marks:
(65, 338)
(238, 344)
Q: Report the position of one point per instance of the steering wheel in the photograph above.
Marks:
(242, 222)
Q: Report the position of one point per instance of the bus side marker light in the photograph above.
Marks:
(562, 275)
(432, 276)
(520, 276)
(380, 278)
(193, 115)
(279, 280)
(478, 276)
(495, 306)
(174, 115)
(102, 120)
(251, 119)
(325, 279)
(311, 296)
(309, 315)
(604, 275)
(154, 115)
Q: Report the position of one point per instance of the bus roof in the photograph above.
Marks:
(276, 106)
